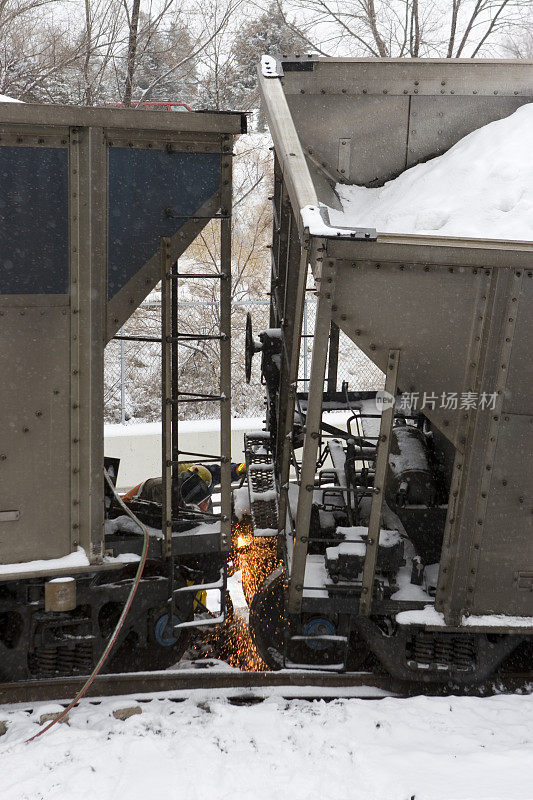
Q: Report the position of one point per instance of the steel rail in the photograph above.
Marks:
(252, 685)
(141, 683)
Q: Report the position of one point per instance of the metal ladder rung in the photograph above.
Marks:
(125, 338)
(214, 275)
(197, 337)
(205, 456)
(201, 623)
(201, 587)
(186, 397)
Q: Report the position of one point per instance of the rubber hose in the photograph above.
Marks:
(103, 658)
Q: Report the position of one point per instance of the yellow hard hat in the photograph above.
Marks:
(202, 471)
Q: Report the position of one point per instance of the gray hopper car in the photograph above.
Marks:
(96, 206)
(449, 597)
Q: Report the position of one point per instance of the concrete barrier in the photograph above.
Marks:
(139, 445)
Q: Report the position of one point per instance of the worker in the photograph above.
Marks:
(192, 490)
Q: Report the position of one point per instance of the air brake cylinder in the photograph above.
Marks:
(410, 480)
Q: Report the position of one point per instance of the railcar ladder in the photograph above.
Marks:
(173, 398)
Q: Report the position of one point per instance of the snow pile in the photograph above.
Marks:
(425, 747)
(5, 99)
(482, 188)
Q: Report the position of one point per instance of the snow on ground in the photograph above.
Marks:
(481, 187)
(390, 749)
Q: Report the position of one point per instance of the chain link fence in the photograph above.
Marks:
(132, 369)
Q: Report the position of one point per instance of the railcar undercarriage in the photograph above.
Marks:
(38, 640)
(329, 633)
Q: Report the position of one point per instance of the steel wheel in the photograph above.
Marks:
(267, 615)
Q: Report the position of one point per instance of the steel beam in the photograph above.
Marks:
(381, 465)
(167, 431)
(312, 435)
(225, 352)
(123, 118)
(88, 246)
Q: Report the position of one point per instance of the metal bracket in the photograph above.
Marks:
(9, 516)
(345, 149)
(316, 219)
(275, 66)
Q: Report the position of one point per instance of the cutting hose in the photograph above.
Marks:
(121, 620)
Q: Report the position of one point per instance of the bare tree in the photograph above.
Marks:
(133, 25)
(101, 39)
(519, 43)
(400, 28)
(34, 50)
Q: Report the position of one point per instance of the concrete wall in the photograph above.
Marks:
(139, 446)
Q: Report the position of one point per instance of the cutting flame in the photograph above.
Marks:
(256, 558)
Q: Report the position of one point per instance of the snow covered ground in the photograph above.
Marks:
(481, 187)
(202, 746)
(390, 749)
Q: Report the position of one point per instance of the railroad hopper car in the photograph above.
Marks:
(97, 206)
(406, 535)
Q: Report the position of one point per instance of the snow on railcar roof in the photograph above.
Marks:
(482, 188)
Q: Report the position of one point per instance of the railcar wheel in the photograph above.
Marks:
(267, 629)
(163, 648)
(267, 613)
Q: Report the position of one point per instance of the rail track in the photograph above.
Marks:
(242, 687)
